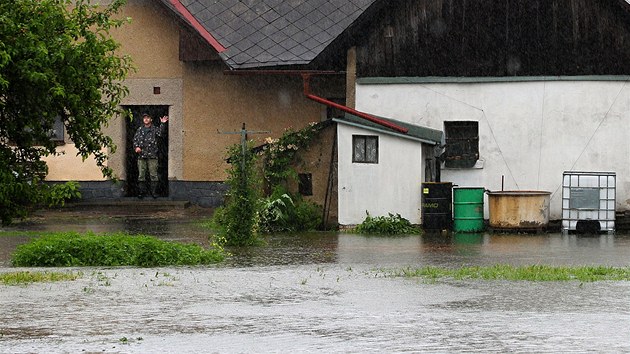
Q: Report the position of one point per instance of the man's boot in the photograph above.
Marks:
(153, 189)
(141, 189)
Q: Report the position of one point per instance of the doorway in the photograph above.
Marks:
(132, 124)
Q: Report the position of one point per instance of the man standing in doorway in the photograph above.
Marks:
(145, 144)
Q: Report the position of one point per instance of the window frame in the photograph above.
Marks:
(58, 132)
(462, 146)
(365, 139)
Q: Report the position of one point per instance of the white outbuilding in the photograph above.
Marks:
(381, 170)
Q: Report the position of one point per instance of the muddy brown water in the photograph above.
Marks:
(320, 292)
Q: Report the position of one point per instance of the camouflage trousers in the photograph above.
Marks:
(147, 164)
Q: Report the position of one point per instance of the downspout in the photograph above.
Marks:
(306, 76)
(371, 118)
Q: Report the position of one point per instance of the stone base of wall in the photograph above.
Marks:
(204, 194)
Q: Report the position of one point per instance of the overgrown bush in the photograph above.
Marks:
(19, 194)
(279, 154)
(59, 194)
(390, 225)
(239, 216)
(73, 249)
(282, 212)
(246, 213)
(308, 215)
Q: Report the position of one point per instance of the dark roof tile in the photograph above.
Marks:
(288, 43)
(291, 30)
(266, 43)
(244, 45)
(298, 50)
(259, 33)
(270, 16)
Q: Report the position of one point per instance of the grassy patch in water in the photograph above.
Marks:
(522, 273)
(21, 278)
(392, 224)
(72, 249)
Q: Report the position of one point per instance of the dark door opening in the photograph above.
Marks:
(131, 164)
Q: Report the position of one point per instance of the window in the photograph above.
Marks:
(305, 183)
(57, 132)
(462, 144)
(365, 149)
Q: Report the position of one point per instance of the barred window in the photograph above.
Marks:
(365, 149)
(462, 144)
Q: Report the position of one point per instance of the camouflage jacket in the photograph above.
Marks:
(147, 140)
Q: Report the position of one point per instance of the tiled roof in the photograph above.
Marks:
(259, 33)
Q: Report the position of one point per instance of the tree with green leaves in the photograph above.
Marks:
(58, 62)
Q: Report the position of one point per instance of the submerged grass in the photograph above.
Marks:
(536, 273)
(71, 249)
(22, 278)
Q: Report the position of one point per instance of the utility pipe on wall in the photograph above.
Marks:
(306, 75)
(371, 118)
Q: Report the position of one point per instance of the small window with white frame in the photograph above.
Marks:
(365, 149)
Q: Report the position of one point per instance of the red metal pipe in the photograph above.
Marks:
(306, 76)
(358, 113)
(347, 109)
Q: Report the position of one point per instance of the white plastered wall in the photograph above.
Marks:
(529, 132)
(391, 186)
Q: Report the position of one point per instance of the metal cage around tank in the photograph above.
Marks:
(588, 201)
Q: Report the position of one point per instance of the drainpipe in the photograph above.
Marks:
(371, 118)
(306, 75)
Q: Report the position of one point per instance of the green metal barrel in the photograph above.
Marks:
(468, 209)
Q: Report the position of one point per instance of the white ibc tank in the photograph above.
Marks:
(588, 197)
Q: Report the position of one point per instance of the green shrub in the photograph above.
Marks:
(391, 225)
(308, 215)
(74, 249)
(275, 214)
(282, 212)
(238, 221)
(59, 194)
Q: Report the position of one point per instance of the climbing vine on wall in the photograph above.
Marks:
(279, 154)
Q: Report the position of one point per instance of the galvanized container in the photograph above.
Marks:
(520, 210)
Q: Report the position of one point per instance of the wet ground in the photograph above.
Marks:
(318, 292)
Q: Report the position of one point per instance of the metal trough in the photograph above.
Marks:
(520, 210)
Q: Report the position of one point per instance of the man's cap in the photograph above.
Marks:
(145, 114)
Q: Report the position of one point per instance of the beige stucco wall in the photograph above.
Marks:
(203, 103)
(68, 166)
(215, 103)
(152, 41)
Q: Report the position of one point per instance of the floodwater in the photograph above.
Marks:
(322, 292)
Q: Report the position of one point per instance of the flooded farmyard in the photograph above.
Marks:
(321, 292)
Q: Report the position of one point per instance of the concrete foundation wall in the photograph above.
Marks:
(205, 194)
